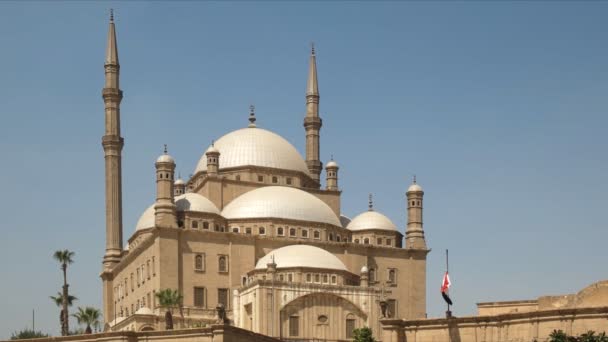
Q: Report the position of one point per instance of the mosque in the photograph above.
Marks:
(254, 232)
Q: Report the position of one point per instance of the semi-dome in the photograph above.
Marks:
(280, 202)
(371, 220)
(146, 220)
(186, 202)
(301, 256)
(257, 147)
(194, 202)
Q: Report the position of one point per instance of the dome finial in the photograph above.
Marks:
(312, 48)
(414, 179)
(212, 142)
(371, 203)
(252, 116)
(165, 149)
(111, 15)
(332, 157)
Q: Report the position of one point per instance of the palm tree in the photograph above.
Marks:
(169, 299)
(65, 258)
(58, 300)
(89, 316)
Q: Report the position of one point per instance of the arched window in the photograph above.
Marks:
(222, 263)
(205, 225)
(350, 325)
(194, 224)
(325, 279)
(262, 231)
(235, 229)
(366, 241)
(372, 275)
(389, 242)
(199, 262)
(292, 232)
(331, 236)
(338, 238)
(418, 202)
(316, 234)
(379, 241)
(248, 230)
(275, 179)
(334, 279)
(308, 278)
(280, 231)
(305, 233)
(356, 240)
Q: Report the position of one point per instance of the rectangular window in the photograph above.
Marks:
(334, 279)
(294, 325)
(308, 278)
(148, 268)
(199, 297)
(317, 278)
(290, 277)
(392, 276)
(288, 180)
(305, 233)
(149, 297)
(275, 180)
(248, 231)
(199, 262)
(391, 309)
(143, 273)
(138, 277)
(389, 242)
(260, 178)
(153, 267)
(222, 297)
(325, 279)
(379, 242)
(350, 326)
(205, 225)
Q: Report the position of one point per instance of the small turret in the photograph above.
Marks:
(179, 187)
(414, 233)
(213, 160)
(164, 208)
(364, 276)
(332, 175)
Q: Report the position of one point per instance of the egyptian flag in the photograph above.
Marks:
(445, 286)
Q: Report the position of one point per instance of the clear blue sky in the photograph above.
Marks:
(499, 108)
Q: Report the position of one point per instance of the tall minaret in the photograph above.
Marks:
(312, 121)
(414, 233)
(112, 144)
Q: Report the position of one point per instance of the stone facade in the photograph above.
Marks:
(252, 194)
(511, 321)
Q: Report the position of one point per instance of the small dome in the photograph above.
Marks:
(179, 181)
(280, 202)
(186, 202)
(194, 202)
(258, 147)
(212, 149)
(332, 164)
(364, 269)
(144, 311)
(371, 220)
(165, 158)
(344, 220)
(414, 188)
(301, 256)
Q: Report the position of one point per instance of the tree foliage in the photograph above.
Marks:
(88, 316)
(27, 333)
(363, 335)
(169, 299)
(590, 336)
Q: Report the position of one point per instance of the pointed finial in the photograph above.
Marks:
(165, 148)
(111, 15)
(312, 48)
(252, 116)
(212, 142)
(179, 174)
(414, 179)
(371, 203)
(332, 157)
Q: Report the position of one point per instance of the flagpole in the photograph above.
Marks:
(448, 313)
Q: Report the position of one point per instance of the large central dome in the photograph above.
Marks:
(257, 147)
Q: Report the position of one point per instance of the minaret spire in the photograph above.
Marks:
(312, 121)
(112, 144)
